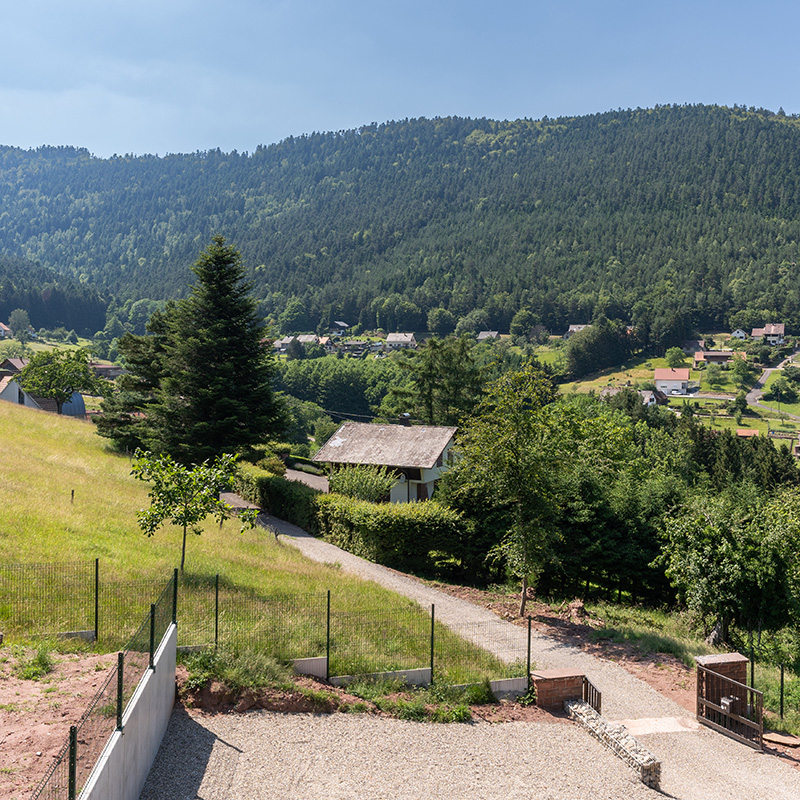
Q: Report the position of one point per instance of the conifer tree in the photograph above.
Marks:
(215, 394)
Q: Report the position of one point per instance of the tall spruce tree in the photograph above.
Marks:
(215, 394)
(123, 419)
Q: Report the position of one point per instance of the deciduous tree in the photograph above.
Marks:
(58, 374)
(20, 324)
(185, 496)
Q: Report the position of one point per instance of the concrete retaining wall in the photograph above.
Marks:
(122, 769)
(411, 677)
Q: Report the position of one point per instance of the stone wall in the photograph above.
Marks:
(617, 739)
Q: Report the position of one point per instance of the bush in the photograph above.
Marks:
(399, 535)
(273, 465)
(288, 500)
(363, 482)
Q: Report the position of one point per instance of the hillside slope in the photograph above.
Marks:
(684, 213)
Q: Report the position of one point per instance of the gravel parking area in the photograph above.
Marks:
(268, 756)
(265, 755)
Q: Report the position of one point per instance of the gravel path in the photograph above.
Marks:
(358, 757)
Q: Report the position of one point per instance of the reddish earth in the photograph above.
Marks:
(35, 715)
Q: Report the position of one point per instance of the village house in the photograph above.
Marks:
(721, 357)
(5, 331)
(327, 344)
(417, 454)
(12, 392)
(484, 336)
(739, 334)
(671, 380)
(573, 329)
(773, 333)
(401, 341)
(691, 346)
(107, 371)
(650, 397)
(281, 344)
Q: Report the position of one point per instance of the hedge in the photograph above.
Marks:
(288, 500)
(398, 535)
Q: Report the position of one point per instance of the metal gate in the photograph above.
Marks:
(732, 708)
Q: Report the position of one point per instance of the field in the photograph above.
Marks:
(70, 499)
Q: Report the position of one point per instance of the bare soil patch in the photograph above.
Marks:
(35, 715)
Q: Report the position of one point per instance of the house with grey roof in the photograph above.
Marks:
(417, 454)
(400, 341)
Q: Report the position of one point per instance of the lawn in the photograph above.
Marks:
(634, 372)
(785, 408)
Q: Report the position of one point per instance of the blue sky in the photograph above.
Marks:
(185, 75)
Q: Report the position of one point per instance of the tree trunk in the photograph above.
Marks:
(183, 548)
(523, 596)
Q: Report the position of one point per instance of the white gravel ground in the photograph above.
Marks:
(300, 756)
(268, 756)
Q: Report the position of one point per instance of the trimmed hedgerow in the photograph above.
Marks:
(288, 500)
(399, 535)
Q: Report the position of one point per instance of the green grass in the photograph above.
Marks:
(669, 632)
(46, 458)
(34, 665)
(652, 631)
(767, 680)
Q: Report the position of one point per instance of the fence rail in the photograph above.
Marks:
(218, 614)
(592, 695)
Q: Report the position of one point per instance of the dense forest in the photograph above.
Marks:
(667, 218)
(51, 300)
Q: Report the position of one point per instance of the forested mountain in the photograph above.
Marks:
(667, 218)
(51, 300)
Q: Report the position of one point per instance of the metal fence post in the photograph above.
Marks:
(328, 639)
(216, 611)
(781, 691)
(120, 688)
(73, 763)
(528, 671)
(175, 596)
(152, 636)
(433, 614)
(96, 599)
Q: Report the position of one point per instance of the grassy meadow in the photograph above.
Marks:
(69, 498)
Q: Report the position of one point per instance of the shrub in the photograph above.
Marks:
(289, 500)
(400, 535)
(34, 665)
(363, 482)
